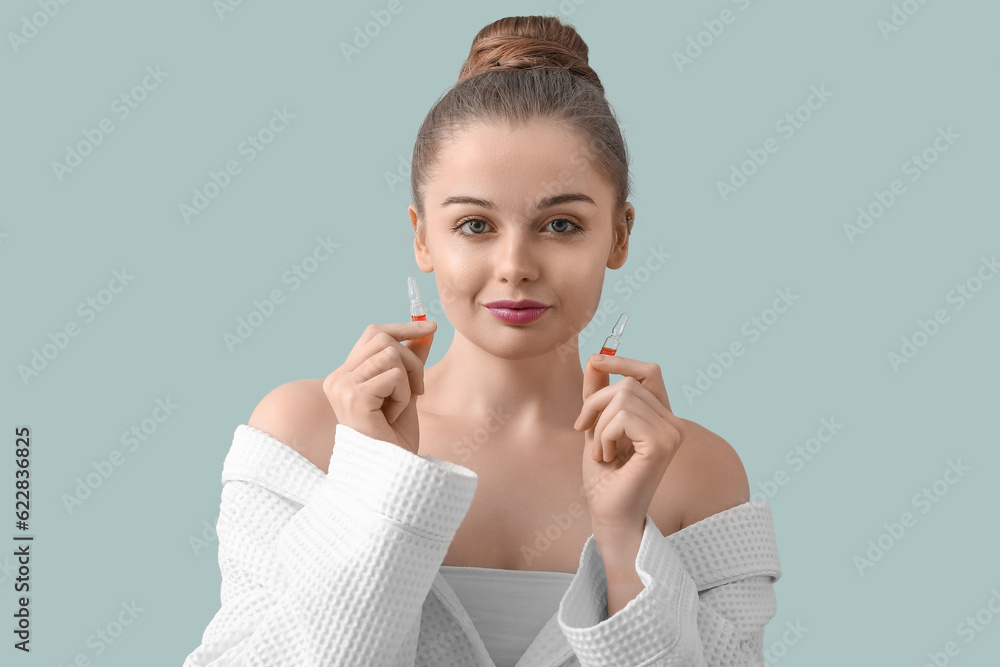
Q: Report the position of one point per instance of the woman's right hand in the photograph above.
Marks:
(375, 390)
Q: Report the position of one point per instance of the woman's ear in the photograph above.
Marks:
(622, 227)
(420, 252)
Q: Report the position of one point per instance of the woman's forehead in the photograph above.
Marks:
(527, 164)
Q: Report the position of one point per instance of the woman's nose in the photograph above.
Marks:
(516, 258)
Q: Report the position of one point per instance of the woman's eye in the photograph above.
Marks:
(569, 227)
(474, 226)
(561, 226)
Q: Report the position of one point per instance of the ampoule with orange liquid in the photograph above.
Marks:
(611, 342)
(417, 313)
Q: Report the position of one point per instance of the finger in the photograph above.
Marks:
(597, 402)
(372, 392)
(631, 426)
(388, 360)
(411, 363)
(624, 403)
(614, 406)
(594, 378)
(390, 388)
(613, 431)
(402, 330)
(421, 348)
(593, 405)
(647, 373)
(387, 333)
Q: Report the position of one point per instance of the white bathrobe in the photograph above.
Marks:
(342, 569)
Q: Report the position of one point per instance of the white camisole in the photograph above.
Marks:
(508, 607)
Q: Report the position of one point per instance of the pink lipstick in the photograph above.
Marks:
(517, 312)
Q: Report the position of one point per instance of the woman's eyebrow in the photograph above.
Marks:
(545, 203)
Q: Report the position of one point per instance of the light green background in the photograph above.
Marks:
(325, 174)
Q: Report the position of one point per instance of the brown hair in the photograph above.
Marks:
(520, 68)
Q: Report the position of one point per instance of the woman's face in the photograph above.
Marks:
(486, 238)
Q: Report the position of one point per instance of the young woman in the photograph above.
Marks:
(503, 505)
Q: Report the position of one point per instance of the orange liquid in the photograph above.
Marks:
(420, 318)
(608, 350)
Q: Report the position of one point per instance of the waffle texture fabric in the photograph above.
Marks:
(342, 569)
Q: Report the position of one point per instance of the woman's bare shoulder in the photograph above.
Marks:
(299, 415)
(705, 477)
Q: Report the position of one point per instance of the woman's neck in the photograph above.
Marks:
(539, 392)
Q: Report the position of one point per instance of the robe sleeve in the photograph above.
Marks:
(709, 593)
(339, 577)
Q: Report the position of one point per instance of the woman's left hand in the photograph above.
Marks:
(631, 437)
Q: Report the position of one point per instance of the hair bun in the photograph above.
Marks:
(525, 42)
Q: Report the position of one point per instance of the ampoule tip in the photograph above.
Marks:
(620, 325)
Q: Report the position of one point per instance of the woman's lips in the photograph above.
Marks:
(517, 315)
